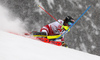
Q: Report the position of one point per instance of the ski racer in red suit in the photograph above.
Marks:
(56, 28)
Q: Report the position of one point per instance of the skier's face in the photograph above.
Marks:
(69, 23)
(66, 24)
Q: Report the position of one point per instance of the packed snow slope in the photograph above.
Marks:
(14, 47)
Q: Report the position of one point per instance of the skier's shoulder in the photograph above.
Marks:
(56, 22)
(61, 21)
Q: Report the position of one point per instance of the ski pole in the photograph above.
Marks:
(51, 16)
(74, 23)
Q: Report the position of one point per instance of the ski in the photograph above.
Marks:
(58, 43)
(43, 39)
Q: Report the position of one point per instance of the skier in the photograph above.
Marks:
(56, 28)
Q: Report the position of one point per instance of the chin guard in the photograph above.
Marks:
(65, 27)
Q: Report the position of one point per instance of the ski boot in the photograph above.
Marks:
(64, 44)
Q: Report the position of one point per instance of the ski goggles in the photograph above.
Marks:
(70, 23)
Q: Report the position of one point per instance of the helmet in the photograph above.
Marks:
(69, 20)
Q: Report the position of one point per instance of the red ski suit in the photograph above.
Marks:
(53, 28)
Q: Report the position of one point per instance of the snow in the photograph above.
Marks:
(73, 3)
(37, 2)
(8, 22)
(83, 47)
(98, 4)
(80, 6)
(60, 9)
(14, 47)
(50, 3)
